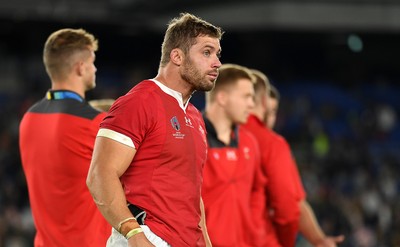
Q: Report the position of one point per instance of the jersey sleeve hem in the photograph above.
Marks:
(121, 138)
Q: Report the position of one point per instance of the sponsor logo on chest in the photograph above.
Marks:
(232, 154)
(188, 122)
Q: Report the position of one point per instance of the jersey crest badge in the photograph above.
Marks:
(231, 155)
(175, 123)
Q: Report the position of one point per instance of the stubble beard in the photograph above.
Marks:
(195, 78)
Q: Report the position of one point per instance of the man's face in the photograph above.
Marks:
(240, 101)
(89, 71)
(200, 65)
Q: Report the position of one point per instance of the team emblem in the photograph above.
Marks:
(175, 123)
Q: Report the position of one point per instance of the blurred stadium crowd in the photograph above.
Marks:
(345, 139)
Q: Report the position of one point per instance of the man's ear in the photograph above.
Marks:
(221, 97)
(176, 56)
(78, 68)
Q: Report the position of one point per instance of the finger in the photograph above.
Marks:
(338, 239)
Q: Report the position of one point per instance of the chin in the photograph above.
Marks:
(210, 85)
(209, 88)
(91, 86)
(205, 87)
(241, 122)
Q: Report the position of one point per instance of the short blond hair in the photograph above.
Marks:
(229, 74)
(274, 93)
(61, 46)
(262, 85)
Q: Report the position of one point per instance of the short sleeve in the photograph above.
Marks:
(131, 115)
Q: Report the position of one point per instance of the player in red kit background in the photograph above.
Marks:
(233, 187)
(289, 211)
(56, 142)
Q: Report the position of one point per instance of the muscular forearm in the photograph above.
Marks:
(311, 230)
(308, 224)
(109, 197)
(110, 160)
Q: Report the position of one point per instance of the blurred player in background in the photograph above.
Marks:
(233, 186)
(290, 212)
(56, 142)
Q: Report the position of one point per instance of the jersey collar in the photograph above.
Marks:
(177, 95)
(63, 94)
(212, 136)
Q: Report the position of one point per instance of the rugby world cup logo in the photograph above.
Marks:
(175, 124)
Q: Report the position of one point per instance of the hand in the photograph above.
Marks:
(330, 241)
(139, 240)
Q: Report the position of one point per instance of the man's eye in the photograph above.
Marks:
(207, 53)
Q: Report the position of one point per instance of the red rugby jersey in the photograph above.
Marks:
(165, 176)
(284, 187)
(233, 190)
(56, 143)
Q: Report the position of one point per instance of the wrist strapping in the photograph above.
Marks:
(124, 221)
(133, 232)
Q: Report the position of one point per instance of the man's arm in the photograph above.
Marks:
(203, 224)
(110, 160)
(282, 192)
(311, 230)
